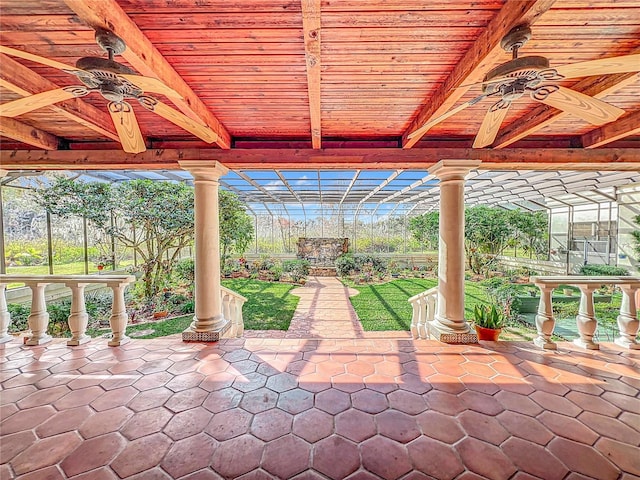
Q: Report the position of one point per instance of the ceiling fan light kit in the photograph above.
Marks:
(533, 75)
(116, 83)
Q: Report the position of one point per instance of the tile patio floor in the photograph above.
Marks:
(265, 408)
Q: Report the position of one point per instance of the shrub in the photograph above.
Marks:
(595, 270)
(297, 269)
(502, 292)
(345, 264)
(19, 315)
(185, 271)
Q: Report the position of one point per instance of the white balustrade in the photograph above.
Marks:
(628, 322)
(424, 310)
(232, 303)
(39, 318)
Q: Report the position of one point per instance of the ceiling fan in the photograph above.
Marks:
(117, 83)
(532, 75)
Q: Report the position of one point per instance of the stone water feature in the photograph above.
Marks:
(322, 253)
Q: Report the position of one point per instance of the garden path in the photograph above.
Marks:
(324, 311)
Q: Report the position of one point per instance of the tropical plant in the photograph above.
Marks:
(488, 317)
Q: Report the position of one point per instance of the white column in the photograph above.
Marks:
(208, 322)
(449, 325)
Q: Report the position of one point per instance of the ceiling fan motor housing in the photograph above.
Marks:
(521, 69)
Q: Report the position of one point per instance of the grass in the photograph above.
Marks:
(157, 329)
(385, 306)
(269, 306)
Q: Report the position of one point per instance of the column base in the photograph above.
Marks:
(31, 341)
(74, 342)
(545, 344)
(626, 343)
(588, 345)
(449, 336)
(6, 338)
(190, 335)
(116, 342)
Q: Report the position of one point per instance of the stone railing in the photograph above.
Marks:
(424, 311)
(232, 303)
(628, 323)
(39, 318)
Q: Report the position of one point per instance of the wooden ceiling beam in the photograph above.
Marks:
(21, 80)
(24, 133)
(147, 59)
(601, 159)
(626, 126)
(475, 63)
(545, 115)
(311, 33)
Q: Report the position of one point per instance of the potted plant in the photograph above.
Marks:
(488, 322)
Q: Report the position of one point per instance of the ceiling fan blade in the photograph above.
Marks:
(491, 124)
(587, 108)
(35, 58)
(177, 118)
(151, 85)
(33, 102)
(423, 129)
(127, 127)
(602, 66)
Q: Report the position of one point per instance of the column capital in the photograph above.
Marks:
(204, 170)
(3, 173)
(453, 169)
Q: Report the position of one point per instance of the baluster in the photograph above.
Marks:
(233, 320)
(225, 306)
(545, 322)
(78, 319)
(240, 328)
(414, 318)
(628, 322)
(422, 318)
(5, 317)
(39, 318)
(431, 315)
(119, 318)
(586, 319)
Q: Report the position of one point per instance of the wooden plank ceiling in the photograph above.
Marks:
(296, 74)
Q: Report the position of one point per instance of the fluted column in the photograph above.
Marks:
(208, 322)
(449, 325)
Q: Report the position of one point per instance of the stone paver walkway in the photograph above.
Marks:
(324, 311)
(317, 409)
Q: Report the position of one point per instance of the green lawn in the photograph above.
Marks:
(385, 306)
(269, 305)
